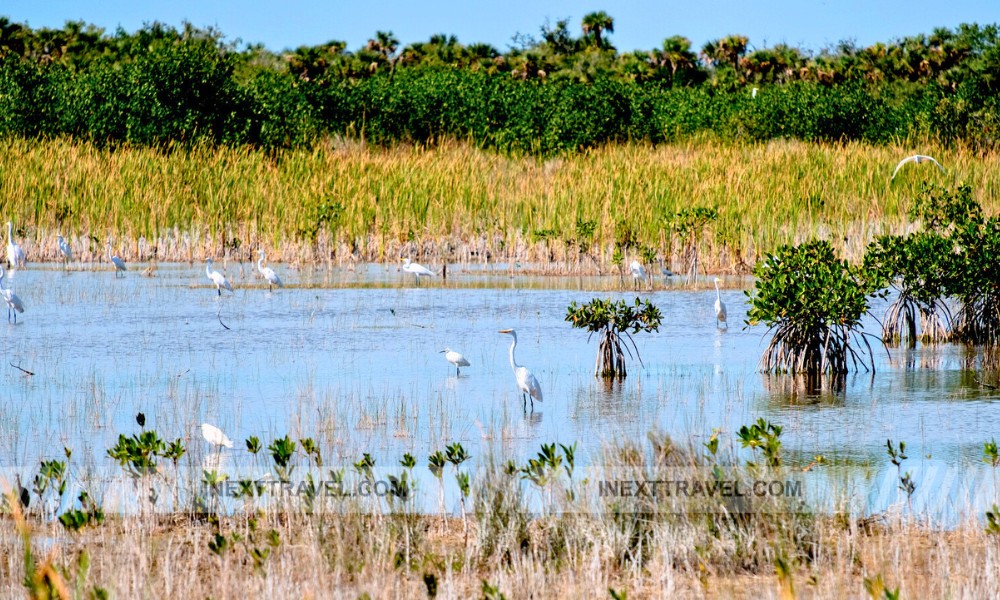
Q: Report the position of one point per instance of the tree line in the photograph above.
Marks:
(547, 93)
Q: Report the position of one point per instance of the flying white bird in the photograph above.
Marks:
(417, 269)
(638, 272)
(14, 304)
(268, 273)
(720, 308)
(116, 261)
(916, 159)
(15, 255)
(456, 359)
(213, 435)
(526, 382)
(217, 278)
(66, 251)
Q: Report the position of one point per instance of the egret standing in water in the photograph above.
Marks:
(526, 382)
(638, 273)
(456, 359)
(15, 255)
(116, 261)
(65, 250)
(417, 269)
(268, 273)
(720, 308)
(14, 304)
(213, 435)
(217, 278)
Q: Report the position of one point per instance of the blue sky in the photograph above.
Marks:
(810, 24)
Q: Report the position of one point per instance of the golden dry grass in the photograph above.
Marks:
(458, 203)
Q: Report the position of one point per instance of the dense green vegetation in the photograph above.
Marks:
(547, 94)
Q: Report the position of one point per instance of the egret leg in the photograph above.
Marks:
(524, 403)
(218, 289)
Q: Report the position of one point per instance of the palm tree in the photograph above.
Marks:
(595, 24)
(677, 54)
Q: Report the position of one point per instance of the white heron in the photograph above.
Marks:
(638, 272)
(526, 382)
(417, 269)
(65, 250)
(217, 278)
(213, 435)
(753, 93)
(268, 273)
(916, 159)
(720, 307)
(15, 254)
(117, 262)
(14, 304)
(456, 359)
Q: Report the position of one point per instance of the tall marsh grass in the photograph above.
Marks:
(456, 203)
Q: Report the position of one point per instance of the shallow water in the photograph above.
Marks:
(351, 358)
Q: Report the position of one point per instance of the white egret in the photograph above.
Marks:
(638, 272)
(213, 435)
(753, 93)
(268, 273)
(720, 308)
(15, 255)
(117, 262)
(456, 359)
(66, 251)
(417, 269)
(217, 278)
(526, 382)
(14, 304)
(916, 159)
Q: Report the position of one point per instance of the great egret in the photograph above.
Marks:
(117, 262)
(526, 382)
(15, 255)
(66, 251)
(456, 359)
(638, 272)
(217, 278)
(916, 159)
(720, 308)
(268, 273)
(13, 302)
(213, 435)
(753, 93)
(417, 269)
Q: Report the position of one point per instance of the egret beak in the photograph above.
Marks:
(441, 351)
(505, 330)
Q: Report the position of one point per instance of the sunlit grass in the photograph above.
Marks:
(459, 203)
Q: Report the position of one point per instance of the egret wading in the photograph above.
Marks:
(916, 159)
(720, 307)
(217, 278)
(213, 435)
(268, 273)
(14, 304)
(15, 255)
(456, 359)
(65, 250)
(116, 261)
(417, 270)
(638, 273)
(526, 382)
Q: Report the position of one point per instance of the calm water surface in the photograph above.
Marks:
(352, 359)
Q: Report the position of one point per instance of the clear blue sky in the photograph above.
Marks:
(810, 24)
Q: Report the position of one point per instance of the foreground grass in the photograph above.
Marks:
(457, 203)
(571, 556)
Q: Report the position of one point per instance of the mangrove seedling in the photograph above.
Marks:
(615, 322)
(813, 302)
